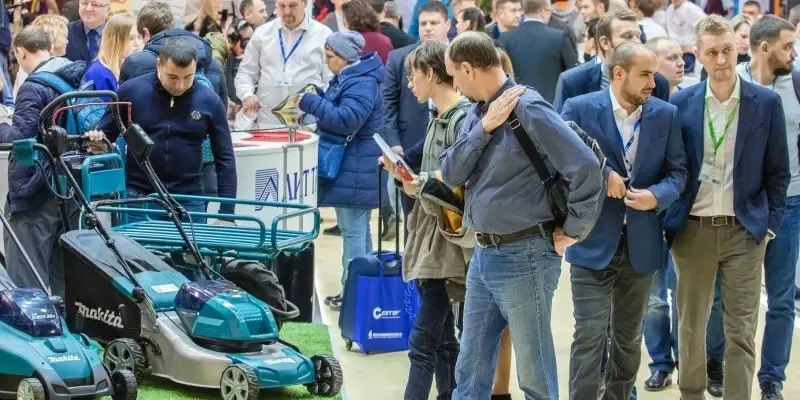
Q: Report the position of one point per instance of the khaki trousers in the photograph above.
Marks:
(699, 251)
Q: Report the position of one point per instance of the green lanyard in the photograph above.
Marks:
(718, 141)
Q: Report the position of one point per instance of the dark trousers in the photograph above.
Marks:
(408, 205)
(433, 349)
(612, 299)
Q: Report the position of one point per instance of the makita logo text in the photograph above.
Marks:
(107, 317)
(63, 359)
(275, 361)
(377, 313)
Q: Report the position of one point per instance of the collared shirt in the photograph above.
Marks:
(605, 78)
(682, 20)
(626, 126)
(263, 67)
(717, 199)
(99, 31)
(504, 193)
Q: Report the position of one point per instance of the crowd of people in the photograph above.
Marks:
(694, 106)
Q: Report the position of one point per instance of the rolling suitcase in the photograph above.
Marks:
(378, 307)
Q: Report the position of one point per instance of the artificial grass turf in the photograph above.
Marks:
(312, 339)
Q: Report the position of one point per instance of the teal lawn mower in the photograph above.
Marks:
(39, 357)
(204, 332)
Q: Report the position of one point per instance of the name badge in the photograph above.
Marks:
(711, 173)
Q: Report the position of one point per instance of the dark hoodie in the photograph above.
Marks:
(178, 126)
(144, 61)
(352, 105)
(28, 186)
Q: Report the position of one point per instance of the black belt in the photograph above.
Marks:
(717, 221)
(492, 240)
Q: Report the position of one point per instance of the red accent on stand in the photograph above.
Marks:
(275, 136)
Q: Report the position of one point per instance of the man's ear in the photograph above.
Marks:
(145, 35)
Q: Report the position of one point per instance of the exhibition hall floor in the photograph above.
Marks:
(383, 376)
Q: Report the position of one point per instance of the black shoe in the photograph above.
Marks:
(501, 397)
(329, 299)
(715, 378)
(332, 231)
(771, 391)
(657, 382)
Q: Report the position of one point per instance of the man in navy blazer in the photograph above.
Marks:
(735, 138)
(613, 28)
(612, 269)
(406, 119)
(84, 35)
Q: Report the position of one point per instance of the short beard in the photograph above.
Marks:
(777, 68)
(632, 97)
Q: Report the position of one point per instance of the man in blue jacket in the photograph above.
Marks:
(177, 112)
(735, 138)
(612, 269)
(613, 29)
(155, 22)
(32, 209)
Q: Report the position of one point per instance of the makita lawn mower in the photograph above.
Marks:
(152, 318)
(39, 357)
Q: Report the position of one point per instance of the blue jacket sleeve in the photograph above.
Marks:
(224, 160)
(459, 160)
(217, 75)
(25, 122)
(562, 92)
(391, 98)
(347, 117)
(570, 157)
(669, 189)
(776, 166)
(413, 156)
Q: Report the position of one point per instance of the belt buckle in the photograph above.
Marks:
(493, 240)
(715, 218)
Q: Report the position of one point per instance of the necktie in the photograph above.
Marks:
(94, 44)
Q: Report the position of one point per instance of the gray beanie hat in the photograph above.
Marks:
(346, 44)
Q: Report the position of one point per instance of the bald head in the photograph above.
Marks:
(633, 67)
(626, 54)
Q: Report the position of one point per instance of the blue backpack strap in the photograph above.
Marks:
(53, 81)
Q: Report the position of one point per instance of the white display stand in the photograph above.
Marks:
(263, 174)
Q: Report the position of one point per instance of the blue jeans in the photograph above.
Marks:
(661, 328)
(512, 285)
(433, 348)
(779, 274)
(356, 235)
(190, 206)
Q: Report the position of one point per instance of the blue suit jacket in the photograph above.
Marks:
(78, 47)
(761, 160)
(660, 167)
(585, 79)
(406, 118)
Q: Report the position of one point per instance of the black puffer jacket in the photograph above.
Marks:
(27, 186)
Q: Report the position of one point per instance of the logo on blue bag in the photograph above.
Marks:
(377, 313)
(266, 185)
(384, 335)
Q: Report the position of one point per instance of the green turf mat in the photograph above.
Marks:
(310, 338)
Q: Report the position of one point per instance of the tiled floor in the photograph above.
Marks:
(383, 376)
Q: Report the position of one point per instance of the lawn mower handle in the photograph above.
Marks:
(51, 107)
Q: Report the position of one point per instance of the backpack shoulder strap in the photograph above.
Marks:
(530, 150)
(457, 116)
(796, 82)
(52, 81)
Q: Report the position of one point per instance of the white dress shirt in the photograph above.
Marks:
(682, 20)
(262, 68)
(717, 199)
(627, 129)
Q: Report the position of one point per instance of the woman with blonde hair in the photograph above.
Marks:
(56, 27)
(210, 25)
(120, 39)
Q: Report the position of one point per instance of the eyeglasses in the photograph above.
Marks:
(93, 4)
